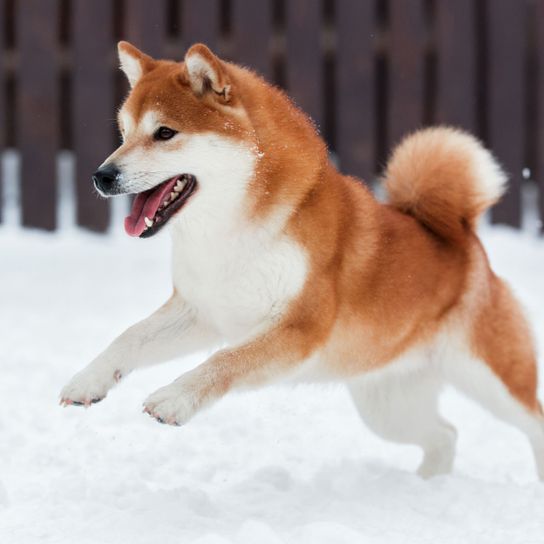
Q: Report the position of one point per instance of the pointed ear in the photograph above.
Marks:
(133, 62)
(207, 73)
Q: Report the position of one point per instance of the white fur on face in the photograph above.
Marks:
(127, 125)
(150, 123)
(207, 156)
(212, 159)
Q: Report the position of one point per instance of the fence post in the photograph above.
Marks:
(406, 62)
(252, 33)
(304, 57)
(201, 23)
(38, 118)
(355, 105)
(3, 127)
(93, 105)
(456, 68)
(539, 173)
(505, 52)
(145, 25)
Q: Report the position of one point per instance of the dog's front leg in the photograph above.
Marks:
(173, 330)
(255, 363)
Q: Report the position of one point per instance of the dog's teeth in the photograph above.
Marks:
(148, 222)
(165, 203)
(179, 186)
(172, 195)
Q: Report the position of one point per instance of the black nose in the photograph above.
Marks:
(105, 178)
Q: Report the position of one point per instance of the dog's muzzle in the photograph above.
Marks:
(106, 179)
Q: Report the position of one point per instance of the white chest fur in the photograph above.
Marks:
(239, 281)
(239, 275)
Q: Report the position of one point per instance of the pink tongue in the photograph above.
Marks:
(146, 204)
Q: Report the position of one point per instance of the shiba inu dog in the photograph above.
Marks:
(300, 271)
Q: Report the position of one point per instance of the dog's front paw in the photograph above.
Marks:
(89, 386)
(173, 404)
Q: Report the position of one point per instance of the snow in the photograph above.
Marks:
(279, 465)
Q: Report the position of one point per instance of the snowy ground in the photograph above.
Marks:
(278, 465)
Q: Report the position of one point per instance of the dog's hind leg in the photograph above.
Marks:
(501, 374)
(173, 330)
(402, 406)
(478, 381)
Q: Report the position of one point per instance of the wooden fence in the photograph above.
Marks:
(367, 71)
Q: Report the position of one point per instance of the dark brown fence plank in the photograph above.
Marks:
(3, 127)
(251, 35)
(200, 23)
(539, 167)
(93, 105)
(506, 35)
(456, 69)
(304, 56)
(145, 25)
(355, 87)
(37, 110)
(406, 68)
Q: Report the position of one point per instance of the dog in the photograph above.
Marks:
(300, 271)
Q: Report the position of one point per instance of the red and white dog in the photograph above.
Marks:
(300, 271)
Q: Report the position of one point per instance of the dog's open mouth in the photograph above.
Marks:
(153, 208)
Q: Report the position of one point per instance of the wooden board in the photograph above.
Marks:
(539, 166)
(200, 23)
(355, 107)
(251, 35)
(93, 108)
(145, 25)
(3, 127)
(38, 121)
(304, 57)
(406, 68)
(456, 63)
(505, 88)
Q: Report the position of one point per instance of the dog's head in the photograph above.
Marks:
(186, 138)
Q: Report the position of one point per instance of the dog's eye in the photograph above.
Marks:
(164, 133)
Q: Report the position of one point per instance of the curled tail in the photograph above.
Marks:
(444, 178)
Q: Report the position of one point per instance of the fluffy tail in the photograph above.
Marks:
(444, 178)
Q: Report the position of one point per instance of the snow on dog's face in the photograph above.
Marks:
(186, 138)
